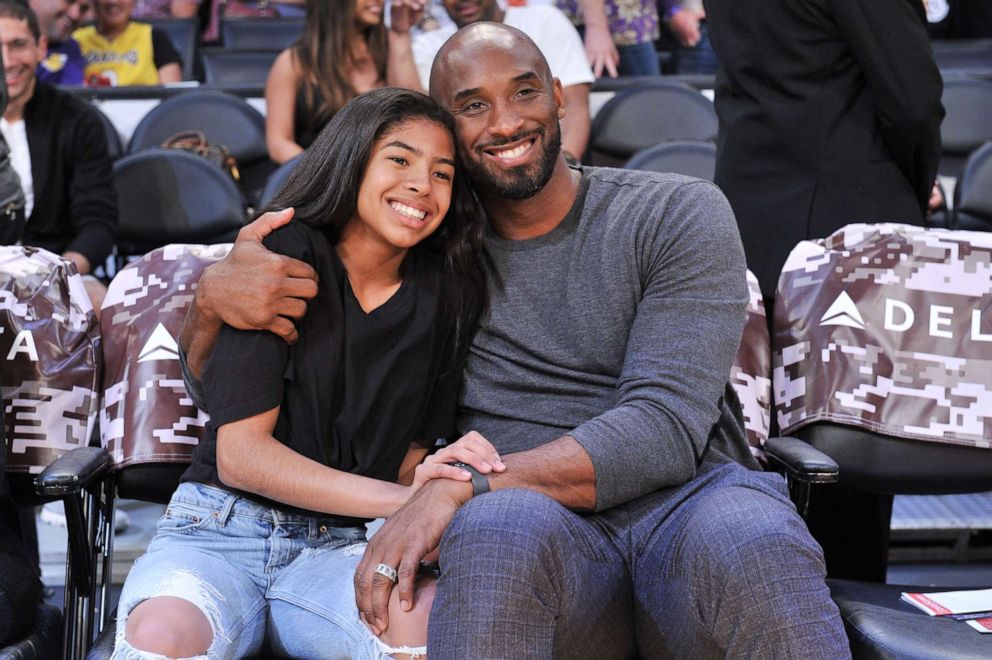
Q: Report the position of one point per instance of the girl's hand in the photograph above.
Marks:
(427, 471)
(473, 449)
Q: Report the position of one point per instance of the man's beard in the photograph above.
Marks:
(518, 183)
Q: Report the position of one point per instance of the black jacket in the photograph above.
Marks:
(829, 114)
(75, 203)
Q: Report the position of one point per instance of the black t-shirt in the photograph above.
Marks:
(357, 388)
(163, 50)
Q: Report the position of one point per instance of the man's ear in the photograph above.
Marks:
(559, 94)
(43, 44)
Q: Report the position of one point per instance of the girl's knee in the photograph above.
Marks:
(169, 626)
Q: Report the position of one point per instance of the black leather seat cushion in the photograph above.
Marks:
(880, 625)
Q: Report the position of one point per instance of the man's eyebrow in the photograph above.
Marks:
(526, 75)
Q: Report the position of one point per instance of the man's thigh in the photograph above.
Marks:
(523, 577)
(727, 567)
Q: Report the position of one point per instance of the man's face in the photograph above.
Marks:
(507, 119)
(58, 18)
(21, 54)
(463, 12)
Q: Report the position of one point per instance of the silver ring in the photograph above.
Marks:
(388, 572)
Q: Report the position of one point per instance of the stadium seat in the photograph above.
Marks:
(276, 181)
(900, 402)
(50, 389)
(638, 118)
(973, 204)
(173, 196)
(148, 424)
(688, 157)
(968, 123)
(260, 34)
(224, 118)
(184, 33)
(963, 55)
(224, 68)
(115, 147)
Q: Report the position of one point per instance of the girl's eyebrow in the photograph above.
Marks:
(403, 145)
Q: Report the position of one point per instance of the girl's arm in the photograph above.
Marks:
(280, 107)
(250, 459)
(170, 73)
(471, 448)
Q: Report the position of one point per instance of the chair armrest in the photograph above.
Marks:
(73, 471)
(801, 461)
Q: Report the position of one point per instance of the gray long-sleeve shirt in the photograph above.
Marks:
(618, 328)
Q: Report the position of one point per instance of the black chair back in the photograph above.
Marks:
(268, 34)
(174, 196)
(184, 33)
(973, 208)
(968, 122)
(689, 157)
(239, 68)
(638, 118)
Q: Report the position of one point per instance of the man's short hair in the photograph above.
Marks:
(21, 12)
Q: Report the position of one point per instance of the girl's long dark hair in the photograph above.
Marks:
(326, 58)
(323, 188)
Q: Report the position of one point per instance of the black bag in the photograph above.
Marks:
(196, 142)
(11, 199)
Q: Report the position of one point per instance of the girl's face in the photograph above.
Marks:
(368, 12)
(407, 186)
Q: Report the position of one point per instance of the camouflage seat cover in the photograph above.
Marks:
(49, 357)
(750, 375)
(146, 415)
(888, 328)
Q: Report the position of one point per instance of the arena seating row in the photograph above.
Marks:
(873, 455)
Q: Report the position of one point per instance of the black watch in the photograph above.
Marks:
(480, 484)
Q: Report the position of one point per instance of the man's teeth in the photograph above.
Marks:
(408, 211)
(515, 152)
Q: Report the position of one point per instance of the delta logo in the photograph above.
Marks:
(902, 317)
(160, 346)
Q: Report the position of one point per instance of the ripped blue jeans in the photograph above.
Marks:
(258, 574)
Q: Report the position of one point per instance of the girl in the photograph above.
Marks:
(306, 443)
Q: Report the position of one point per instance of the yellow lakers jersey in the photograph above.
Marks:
(127, 60)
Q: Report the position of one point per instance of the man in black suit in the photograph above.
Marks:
(829, 114)
(59, 149)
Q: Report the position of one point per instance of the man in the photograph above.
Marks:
(553, 34)
(59, 150)
(600, 399)
(64, 62)
(829, 114)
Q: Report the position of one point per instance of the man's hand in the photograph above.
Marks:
(601, 51)
(82, 263)
(251, 289)
(684, 24)
(406, 537)
(254, 289)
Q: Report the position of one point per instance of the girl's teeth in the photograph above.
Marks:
(408, 211)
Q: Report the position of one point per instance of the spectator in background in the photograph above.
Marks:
(345, 50)
(832, 117)
(122, 52)
(166, 8)
(59, 150)
(631, 24)
(63, 63)
(554, 36)
(685, 20)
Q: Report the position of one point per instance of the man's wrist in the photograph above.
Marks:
(480, 483)
(459, 492)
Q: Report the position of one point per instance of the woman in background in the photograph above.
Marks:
(345, 50)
